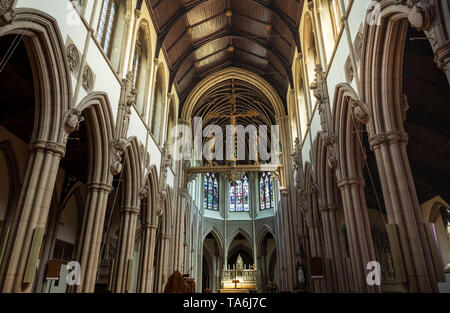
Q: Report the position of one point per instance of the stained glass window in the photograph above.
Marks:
(266, 191)
(239, 198)
(211, 189)
(108, 17)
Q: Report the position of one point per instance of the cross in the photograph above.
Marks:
(233, 116)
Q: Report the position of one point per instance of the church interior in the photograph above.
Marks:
(224, 146)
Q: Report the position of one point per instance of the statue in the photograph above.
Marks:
(300, 276)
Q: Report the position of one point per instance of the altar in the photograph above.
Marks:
(239, 278)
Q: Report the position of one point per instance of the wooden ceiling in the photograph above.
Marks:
(199, 37)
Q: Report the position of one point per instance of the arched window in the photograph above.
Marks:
(335, 16)
(311, 56)
(211, 197)
(239, 200)
(266, 191)
(108, 18)
(158, 105)
(141, 69)
(137, 58)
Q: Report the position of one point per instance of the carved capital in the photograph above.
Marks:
(387, 138)
(143, 192)
(118, 149)
(421, 15)
(73, 120)
(360, 111)
(46, 146)
(7, 14)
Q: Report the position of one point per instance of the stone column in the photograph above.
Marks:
(288, 251)
(22, 252)
(403, 209)
(358, 231)
(315, 237)
(148, 244)
(125, 248)
(162, 265)
(91, 234)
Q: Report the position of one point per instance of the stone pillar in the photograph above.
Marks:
(402, 207)
(148, 244)
(333, 247)
(22, 252)
(163, 263)
(315, 237)
(125, 248)
(358, 231)
(91, 234)
(288, 251)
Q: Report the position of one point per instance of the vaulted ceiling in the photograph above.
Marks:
(199, 37)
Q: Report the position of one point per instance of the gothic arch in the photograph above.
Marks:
(152, 183)
(227, 74)
(46, 50)
(143, 72)
(213, 230)
(382, 91)
(149, 227)
(329, 209)
(347, 151)
(98, 116)
(159, 102)
(167, 215)
(241, 231)
(96, 110)
(51, 77)
(265, 229)
(130, 208)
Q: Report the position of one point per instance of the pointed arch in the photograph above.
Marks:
(265, 229)
(149, 214)
(383, 52)
(233, 235)
(350, 178)
(96, 110)
(215, 232)
(159, 102)
(46, 51)
(142, 65)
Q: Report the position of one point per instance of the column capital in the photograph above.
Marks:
(99, 187)
(349, 182)
(149, 226)
(393, 137)
(130, 210)
(48, 146)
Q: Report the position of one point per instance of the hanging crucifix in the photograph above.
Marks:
(233, 116)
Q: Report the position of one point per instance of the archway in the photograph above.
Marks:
(212, 262)
(385, 58)
(38, 72)
(267, 267)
